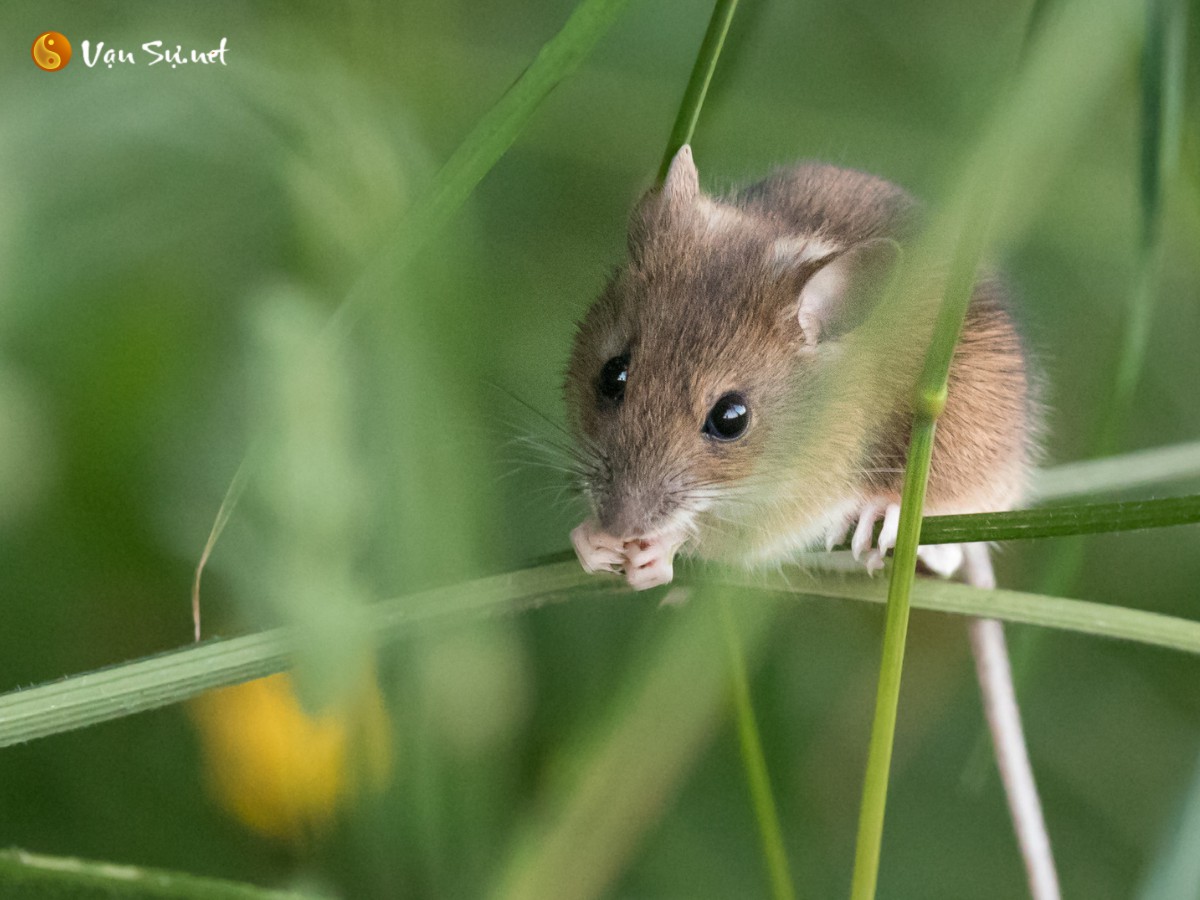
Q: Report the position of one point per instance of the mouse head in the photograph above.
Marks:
(692, 358)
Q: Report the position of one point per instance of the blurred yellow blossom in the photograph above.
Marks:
(282, 771)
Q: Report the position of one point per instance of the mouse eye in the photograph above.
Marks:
(613, 377)
(728, 419)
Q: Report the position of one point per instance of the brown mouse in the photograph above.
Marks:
(735, 391)
(742, 390)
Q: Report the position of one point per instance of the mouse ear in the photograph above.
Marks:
(682, 184)
(666, 202)
(838, 289)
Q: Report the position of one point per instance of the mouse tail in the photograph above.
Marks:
(1008, 738)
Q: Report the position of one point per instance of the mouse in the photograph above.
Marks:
(735, 393)
(742, 391)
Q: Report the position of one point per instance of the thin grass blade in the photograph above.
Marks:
(1175, 872)
(1143, 468)
(697, 86)
(589, 826)
(483, 147)
(25, 874)
(157, 681)
(755, 762)
(988, 205)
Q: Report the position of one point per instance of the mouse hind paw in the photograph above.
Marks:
(863, 545)
(941, 559)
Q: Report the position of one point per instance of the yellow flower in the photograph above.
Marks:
(281, 771)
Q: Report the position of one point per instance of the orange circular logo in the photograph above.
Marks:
(51, 51)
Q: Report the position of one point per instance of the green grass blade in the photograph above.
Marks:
(153, 682)
(1162, 77)
(1162, 80)
(697, 86)
(171, 677)
(451, 186)
(1180, 462)
(1175, 873)
(484, 146)
(755, 763)
(1058, 521)
(1064, 521)
(935, 595)
(589, 826)
(24, 874)
(989, 204)
(232, 496)
(895, 633)
(501, 125)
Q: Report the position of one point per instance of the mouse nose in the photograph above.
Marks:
(627, 514)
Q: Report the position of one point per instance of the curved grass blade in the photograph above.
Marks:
(483, 147)
(451, 186)
(1078, 616)
(232, 495)
(157, 681)
(24, 874)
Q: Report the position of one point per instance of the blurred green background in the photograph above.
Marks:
(172, 244)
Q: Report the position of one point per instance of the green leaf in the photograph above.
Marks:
(32, 875)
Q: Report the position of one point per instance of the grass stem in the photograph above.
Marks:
(753, 760)
(157, 681)
(697, 86)
(895, 633)
(755, 763)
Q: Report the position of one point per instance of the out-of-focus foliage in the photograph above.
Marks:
(173, 243)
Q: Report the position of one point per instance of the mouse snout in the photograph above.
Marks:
(630, 514)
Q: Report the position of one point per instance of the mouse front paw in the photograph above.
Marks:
(597, 550)
(649, 562)
(645, 562)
